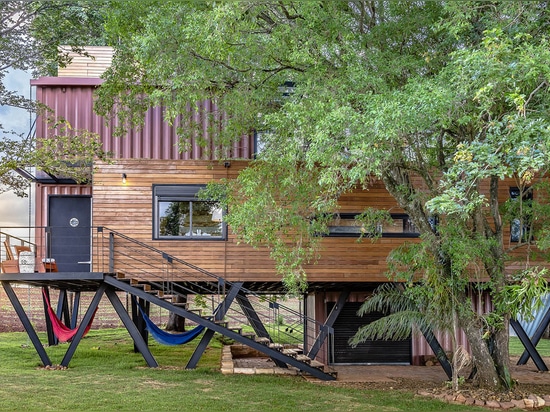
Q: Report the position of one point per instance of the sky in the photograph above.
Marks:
(14, 211)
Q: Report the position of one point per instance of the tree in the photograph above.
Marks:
(411, 93)
(30, 35)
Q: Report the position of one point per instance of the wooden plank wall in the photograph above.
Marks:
(98, 60)
(128, 209)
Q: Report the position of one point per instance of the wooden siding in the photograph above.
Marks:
(128, 209)
(98, 60)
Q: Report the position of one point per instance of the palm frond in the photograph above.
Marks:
(396, 326)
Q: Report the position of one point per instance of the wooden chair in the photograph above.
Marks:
(9, 251)
(10, 266)
(19, 249)
(49, 265)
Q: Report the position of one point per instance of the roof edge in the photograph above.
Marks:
(66, 81)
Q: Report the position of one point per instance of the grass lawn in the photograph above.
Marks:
(105, 374)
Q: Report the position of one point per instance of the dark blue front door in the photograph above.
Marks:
(69, 232)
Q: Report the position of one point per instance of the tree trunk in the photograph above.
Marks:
(501, 355)
(176, 323)
(487, 375)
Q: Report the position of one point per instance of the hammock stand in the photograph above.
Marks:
(62, 331)
(167, 338)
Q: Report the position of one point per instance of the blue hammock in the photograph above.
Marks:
(167, 338)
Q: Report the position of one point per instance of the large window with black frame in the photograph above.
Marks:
(179, 214)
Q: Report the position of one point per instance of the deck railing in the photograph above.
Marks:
(110, 251)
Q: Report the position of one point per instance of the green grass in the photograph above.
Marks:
(105, 374)
(516, 348)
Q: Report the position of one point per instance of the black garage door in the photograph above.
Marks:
(379, 351)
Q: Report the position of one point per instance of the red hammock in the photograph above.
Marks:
(62, 331)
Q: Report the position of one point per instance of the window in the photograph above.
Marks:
(345, 225)
(180, 214)
(517, 229)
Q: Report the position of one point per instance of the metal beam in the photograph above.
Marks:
(52, 340)
(327, 327)
(218, 316)
(539, 332)
(273, 353)
(26, 324)
(528, 345)
(132, 329)
(252, 316)
(438, 351)
(82, 328)
(76, 306)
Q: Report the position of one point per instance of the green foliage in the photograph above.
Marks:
(434, 99)
(66, 153)
(524, 295)
(31, 33)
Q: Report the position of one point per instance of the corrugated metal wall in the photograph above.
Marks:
(43, 191)
(420, 348)
(72, 99)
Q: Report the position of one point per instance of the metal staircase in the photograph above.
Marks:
(227, 308)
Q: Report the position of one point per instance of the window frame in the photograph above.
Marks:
(180, 193)
(519, 232)
(352, 216)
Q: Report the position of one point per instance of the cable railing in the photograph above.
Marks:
(101, 249)
(173, 275)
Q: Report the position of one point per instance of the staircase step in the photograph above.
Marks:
(120, 275)
(249, 335)
(238, 330)
(304, 359)
(223, 323)
(276, 346)
(290, 352)
(263, 341)
(183, 305)
(317, 365)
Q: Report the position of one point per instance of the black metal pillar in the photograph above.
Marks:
(327, 327)
(76, 308)
(82, 328)
(438, 351)
(26, 324)
(539, 332)
(131, 328)
(252, 316)
(52, 340)
(218, 316)
(529, 347)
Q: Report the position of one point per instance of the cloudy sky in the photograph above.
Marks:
(14, 211)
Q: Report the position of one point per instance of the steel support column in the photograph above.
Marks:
(76, 308)
(209, 333)
(26, 324)
(539, 332)
(82, 328)
(132, 329)
(529, 347)
(52, 340)
(438, 351)
(327, 327)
